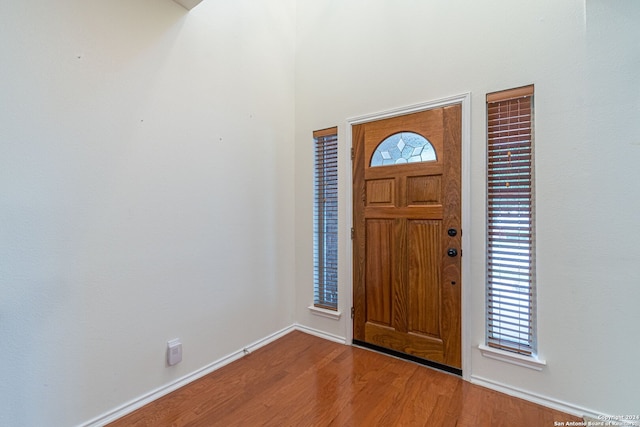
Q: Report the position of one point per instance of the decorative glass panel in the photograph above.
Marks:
(403, 147)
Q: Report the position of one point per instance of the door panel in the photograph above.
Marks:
(380, 192)
(380, 236)
(406, 286)
(424, 190)
(424, 277)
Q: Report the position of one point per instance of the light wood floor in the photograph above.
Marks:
(302, 380)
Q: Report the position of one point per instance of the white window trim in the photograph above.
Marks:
(323, 312)
(531, 362)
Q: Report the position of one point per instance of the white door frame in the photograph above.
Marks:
(346, 291)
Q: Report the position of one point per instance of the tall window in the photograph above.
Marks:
(325, 219)
(511, 305)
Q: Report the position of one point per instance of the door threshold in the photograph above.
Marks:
(409, 357)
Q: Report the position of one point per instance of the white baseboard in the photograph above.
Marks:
(535, 398)
(139, 402)
(321, 334)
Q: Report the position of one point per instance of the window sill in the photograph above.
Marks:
(323, 312)
(530, 362)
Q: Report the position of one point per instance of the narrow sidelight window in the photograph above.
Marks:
(511, 304)
(325, 219)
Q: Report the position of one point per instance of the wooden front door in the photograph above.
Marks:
(407, 236)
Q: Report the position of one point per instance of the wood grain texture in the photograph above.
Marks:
(428, 125)
(420, 345)
(415, 212)
(406, 169)
(424, 190)
(424, 277)
(400, 284)
(406, 288)
(380, 192)
(359, 252)
(302, 380)
(379, 267)
(451, 290)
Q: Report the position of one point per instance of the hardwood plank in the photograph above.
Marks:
(302, 380)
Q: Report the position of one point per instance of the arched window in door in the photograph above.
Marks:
(403, 147)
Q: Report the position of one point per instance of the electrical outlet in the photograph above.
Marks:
(174, 352)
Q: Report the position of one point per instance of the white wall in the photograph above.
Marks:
(146, 193)
(148, 181)
(356, 57)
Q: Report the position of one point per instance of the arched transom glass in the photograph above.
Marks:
(403, 147)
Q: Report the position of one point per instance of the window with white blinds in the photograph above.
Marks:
(325, 219)
(511, 305)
